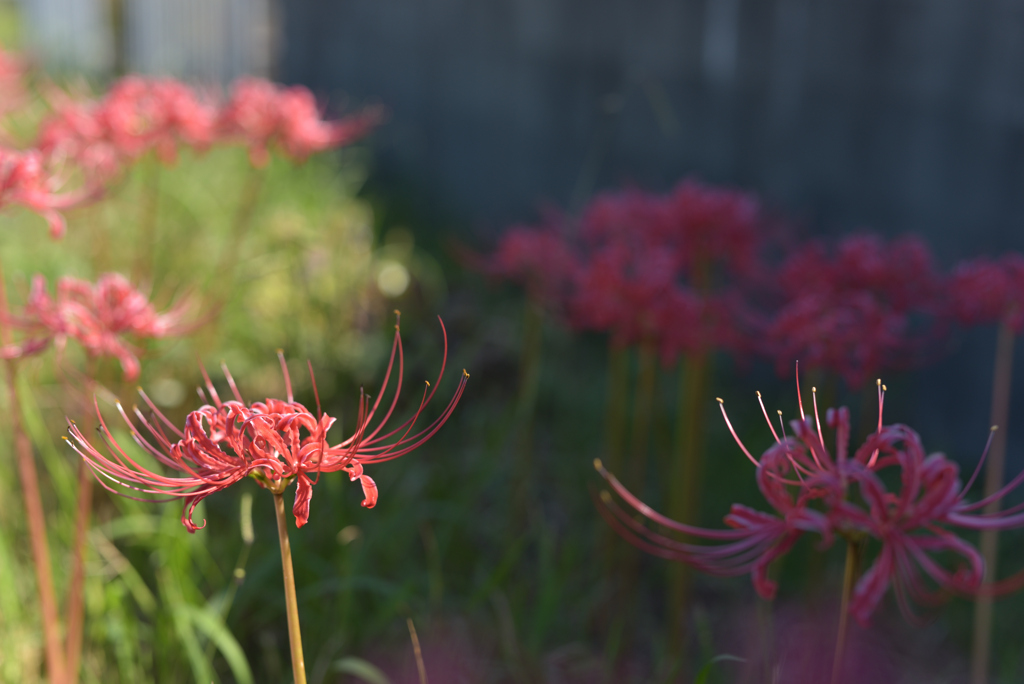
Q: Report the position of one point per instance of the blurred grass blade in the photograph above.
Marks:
(705, 672)
(357, 667)
(61, 473)
(126, 572)
(209, 623)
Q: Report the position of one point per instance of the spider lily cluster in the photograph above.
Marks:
(837, 492)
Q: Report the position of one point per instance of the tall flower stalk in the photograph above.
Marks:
(275, 442)
(56, 664)
(984, 291)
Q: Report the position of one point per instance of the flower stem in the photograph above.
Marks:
(685, 479)
(853, 552)
(291, 602)
(981, 648)
(526, 403)
(55, 663)
(76, 590)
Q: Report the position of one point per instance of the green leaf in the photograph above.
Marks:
(705, 672)
(357, 667)
(210, 624)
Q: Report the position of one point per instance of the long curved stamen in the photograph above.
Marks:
(799, 398)
(721, 405)
(231, 383)
(817, 420)
(209, 386)
(881, 404)
(767, 419)
(981, 461)
(287, 377)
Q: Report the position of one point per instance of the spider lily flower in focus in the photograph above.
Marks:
(275, 442)
(838, 494)
(98, 316)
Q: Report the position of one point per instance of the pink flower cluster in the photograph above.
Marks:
(853, 312)
(26, 181)
(658, 270)
(97, 315)
(140, 114)
(686, 272)
(983, 291)
(275, 442)
(838, 493)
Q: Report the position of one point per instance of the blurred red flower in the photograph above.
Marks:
(98, 316)
(261, 113)
(811, 490)
(863, 309)
(988, 291)
(26, 180)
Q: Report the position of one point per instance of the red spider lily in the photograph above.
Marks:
(540, 259)
(988, 291)
(137, 115)
(660, 270)
(261, 112)
(799, 471)
(858, 311)
(26, 181)
(98, 316)
(275, 442)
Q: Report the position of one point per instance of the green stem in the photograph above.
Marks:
(686, 477)
(529, 383)
(981, 648)
(290, 599)
(79, 550)
(853, 553)
(643, 408)
(150, 206)
(56, 665)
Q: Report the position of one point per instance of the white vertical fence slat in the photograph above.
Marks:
(199, 40)
(70, 34)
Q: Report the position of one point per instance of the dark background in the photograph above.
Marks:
(899, 116)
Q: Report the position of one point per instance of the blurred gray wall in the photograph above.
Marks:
(898, 115)
(207, 41)
(905, 115)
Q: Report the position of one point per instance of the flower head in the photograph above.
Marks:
(274, 441)
(261, 113)
(988, 291)
(26, 180)
(839, 493)
(99, 316)
(858, 310)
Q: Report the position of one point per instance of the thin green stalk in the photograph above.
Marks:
(615, 420)
(686, 478)
(981, 648)
(420, 667)
(529, 383)
(853, 553)
(643, 409)
(627, 566)
(149, 208)
(290, 599)
(56, 665)
(79, 550)
(247, 202)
